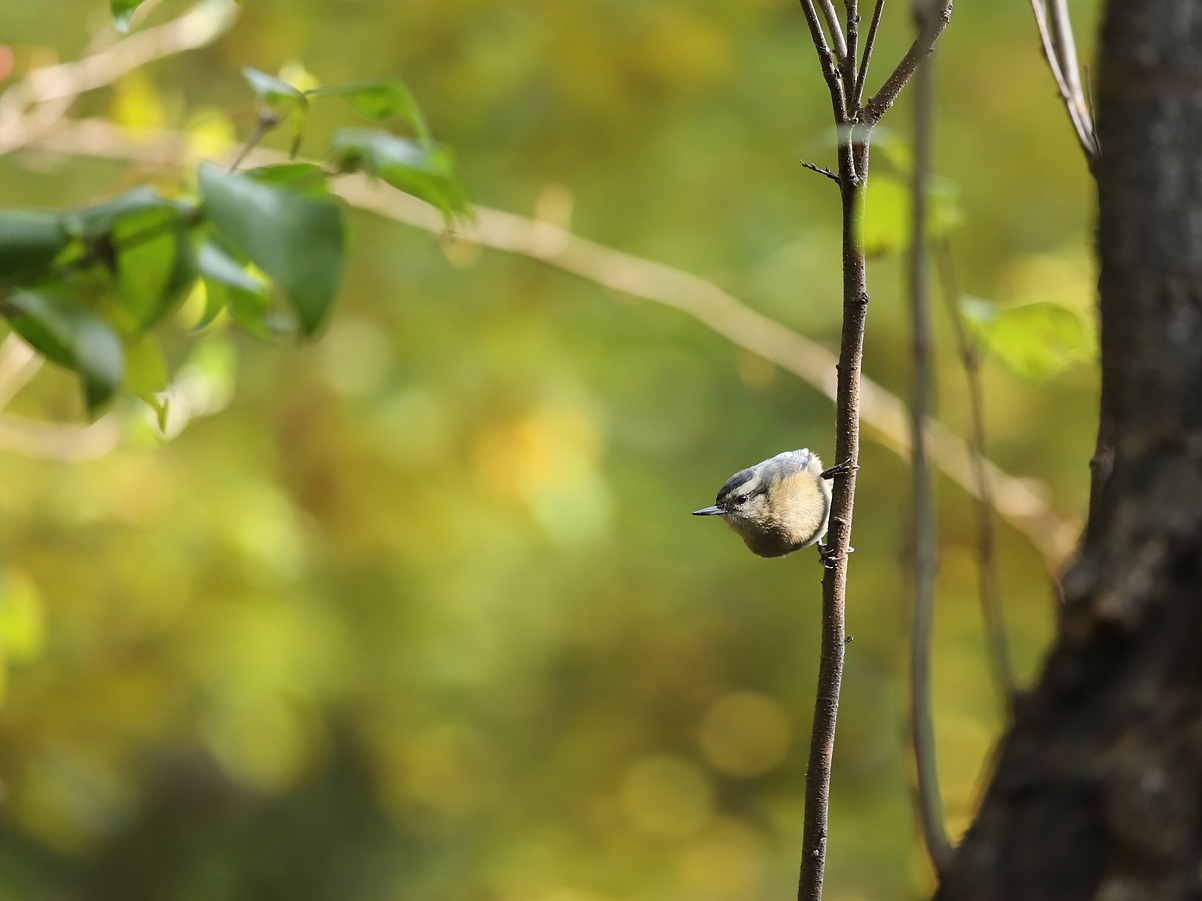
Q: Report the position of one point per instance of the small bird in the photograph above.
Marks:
(780, 505)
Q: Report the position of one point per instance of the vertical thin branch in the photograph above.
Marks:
(922, 732)
(853, 172)
(838, 44)
(852, 159)
(987, 574)
(869, 44)
(826, 61)
(849, 61)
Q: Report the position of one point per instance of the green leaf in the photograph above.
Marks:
(944, 211)
(889, 213)
(123, 11)
(93, 221)
(29, 241)
(296, 238)
(156, 264)
(894, 148)
(22, 618)
(72, 336)
(381, 99)
(229, 286)
(886, 216)
(217, 265)
(146, 372)
(1034, 341)
(426, 171)
(269, 88)
(306, 179)
(284, 102)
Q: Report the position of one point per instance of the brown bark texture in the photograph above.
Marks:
(1097, 792)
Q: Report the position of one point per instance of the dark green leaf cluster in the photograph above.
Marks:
(420, 166)
(85, 287)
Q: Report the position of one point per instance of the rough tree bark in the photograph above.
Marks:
(1098, 787)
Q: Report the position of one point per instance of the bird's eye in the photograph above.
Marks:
(741, 499)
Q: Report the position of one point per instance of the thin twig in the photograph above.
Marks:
(869, 45)
(1066, 53)
(987, 574)
(263, 123)
(835, 27)
(50, 90)
(922, 730)
(1093, 110)
(821, 170)
(853, 169)
(826, 61)
(849, 62)
(1082, 129)
(919, 50)
(1049, 51)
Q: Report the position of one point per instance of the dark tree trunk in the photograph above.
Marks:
(1098, 789)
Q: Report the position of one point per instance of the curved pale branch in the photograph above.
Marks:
(32, 105)
(1021, 502)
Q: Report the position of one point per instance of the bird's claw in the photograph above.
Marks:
(839, 469)
(830, 559)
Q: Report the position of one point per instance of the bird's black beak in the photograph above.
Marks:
(708, 511)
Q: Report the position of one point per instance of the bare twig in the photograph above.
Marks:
(987, 574)
(1059, 49)
(835, 27)
(263, 124)
(826, 62)
(1093, 109)
(853, 45)
(821, 170)
(869, 45)
(922, 730)
(919, 50)
(1066, 53)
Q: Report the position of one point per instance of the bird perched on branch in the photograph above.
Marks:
(780, 505)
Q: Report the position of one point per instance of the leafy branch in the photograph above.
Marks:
(85, 287)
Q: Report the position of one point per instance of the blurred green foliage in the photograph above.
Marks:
(422, 613)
